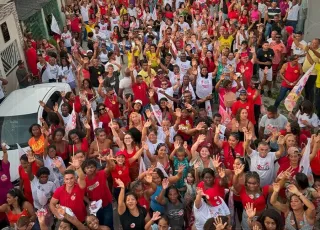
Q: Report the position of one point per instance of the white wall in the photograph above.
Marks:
(10, 17)
(312, 24)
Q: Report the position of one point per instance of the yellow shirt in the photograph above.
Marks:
(130, 58)
(153, 58)
(306, 64)
(225, 42)
(123, 11)
(146, 77)
(90, 28)
(317, 69)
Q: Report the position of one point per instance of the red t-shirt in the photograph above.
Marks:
(251, 92)
(84, 146)
(32, 60)
(219, 190)
(248, 105)
(315, 164)
(259, 202)
(228, 156)
(77, 104)
(26, 182)
(139, 91)
(284, 165)
(143, 202)
(73, 200)
(75, 25)
(113, 105)
(105, 119)
(122, 173)
(243, 20)
(302, 139)
(248, 70)
(233, 14)
(97, 188)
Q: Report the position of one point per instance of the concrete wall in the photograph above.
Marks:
(9, 15)
(312, 24)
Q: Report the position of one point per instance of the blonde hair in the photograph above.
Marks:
(131, 125)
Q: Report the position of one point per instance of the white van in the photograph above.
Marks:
(19, 111)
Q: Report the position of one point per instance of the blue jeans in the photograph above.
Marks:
(282, 95)
(105, 216)
(268, 30)
(292, 23)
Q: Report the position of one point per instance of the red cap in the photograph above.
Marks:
(214, 197)
(245, 54)
(119, 153)
(289, 29)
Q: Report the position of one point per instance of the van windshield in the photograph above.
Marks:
(14, 129)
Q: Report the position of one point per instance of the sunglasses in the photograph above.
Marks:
(102, 109)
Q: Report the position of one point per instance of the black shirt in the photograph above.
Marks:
(264, 56)
(95, 73)
(112, 82)
(21, 74)
(128, 221)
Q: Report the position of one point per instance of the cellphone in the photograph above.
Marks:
(5, 145)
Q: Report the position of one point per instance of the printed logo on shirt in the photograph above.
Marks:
(73, 197)
(264, 167)
(132, 225)
(95, 185)
(4, 178)
(119, 172)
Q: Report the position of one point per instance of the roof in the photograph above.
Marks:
(26, 8)
(26, 101)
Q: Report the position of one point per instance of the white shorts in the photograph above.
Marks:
(269, 74)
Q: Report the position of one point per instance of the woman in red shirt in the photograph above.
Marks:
(120, 170)
(233, 12)
(105, 115)
(168, 12)
(62, 146)
(315, 156)
(230, 149)
(72, 100)
(251, 193)
(78, 142)
(243, 19)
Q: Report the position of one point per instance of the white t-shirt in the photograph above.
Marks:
(125, 84)
(184, 25)
(132, 12)
(67, 72)
(271, 125)
(296, 50)
(67, 38)
(204, 86)
(168, 91)
(41, 193)
(104, 28)
(85, 13)
(206, 212)
(314, 120)
(184, 66)
(293, 12)
(51, 72)
(162, 136)
(1, 91)
(262, 8)
(103, 57)
(114, 22)
(152, 150)
(263, 166)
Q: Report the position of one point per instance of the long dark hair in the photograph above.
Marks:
(272, 214)
(17, 193)
(172, 187)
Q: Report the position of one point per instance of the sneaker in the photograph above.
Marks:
(269, 93)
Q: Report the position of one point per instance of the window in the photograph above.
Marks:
(14, 129)
(10, 57)
(5, 32)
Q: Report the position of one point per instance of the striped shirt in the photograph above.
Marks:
(273, 11)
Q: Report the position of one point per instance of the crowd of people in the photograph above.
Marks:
(165, 125)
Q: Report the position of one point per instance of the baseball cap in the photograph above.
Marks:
(89, 51)
(138, 101)
(160, 71)
(293, 150)
(243, 91)
(119, 153)
(20, 62)
(214, 198)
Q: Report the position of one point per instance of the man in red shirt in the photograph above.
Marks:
(71, 194)
(96, 189)
(245, 67)
(139, 88)
(245, 103)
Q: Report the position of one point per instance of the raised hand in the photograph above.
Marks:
(176, 144)
(281, 140)
(100, 79)
(57, 163)
(156, 216)
(151, 92)
(239, 170)
(197, 165)
(31, 157)
(276, 187)
(178, 112)
(75, 163)
(185, 145)
(216, 161)
(200, 126)
(293, 189)
(147, 124)
(60, 210)
(180, 169)
(55, 107)
(145, 146)
(42, 104)
(148, 178)
(165, 183)
(86, 124)
(218, 223)
(251, 212)
(119, 182)
(201, 138)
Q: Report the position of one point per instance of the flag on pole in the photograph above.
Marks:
(157, 113)
(94, 122)
(54, 25)
(72, 122)
(114, 10)
(174, 48)
(154, 14)
(20, 151)
(292, 98)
